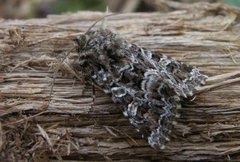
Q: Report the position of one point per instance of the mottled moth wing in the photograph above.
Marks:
(148, 85)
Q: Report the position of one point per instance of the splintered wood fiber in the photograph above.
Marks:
(79, 122)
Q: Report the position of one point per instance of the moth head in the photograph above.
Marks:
(81, 42)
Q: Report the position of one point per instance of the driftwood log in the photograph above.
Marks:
(78, 122)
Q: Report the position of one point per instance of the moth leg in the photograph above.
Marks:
(93, 94)
(51, 90)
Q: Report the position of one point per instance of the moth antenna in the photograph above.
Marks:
(102, 18)
(68, 52)
(54, 76)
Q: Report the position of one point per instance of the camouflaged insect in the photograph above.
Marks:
(148, 85)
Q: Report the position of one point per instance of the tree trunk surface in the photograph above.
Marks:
(81, 122)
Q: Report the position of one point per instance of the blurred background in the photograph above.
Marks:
(22, 9)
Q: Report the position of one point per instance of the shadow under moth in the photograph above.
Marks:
(148, 85)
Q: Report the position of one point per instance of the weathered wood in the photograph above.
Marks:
(81, 125)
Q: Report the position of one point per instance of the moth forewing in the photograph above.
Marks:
(148, 85)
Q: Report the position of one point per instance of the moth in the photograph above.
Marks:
(148, 85)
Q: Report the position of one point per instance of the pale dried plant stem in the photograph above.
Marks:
(219, 81)
(222, 77)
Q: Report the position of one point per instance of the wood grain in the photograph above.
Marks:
(82, 124)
